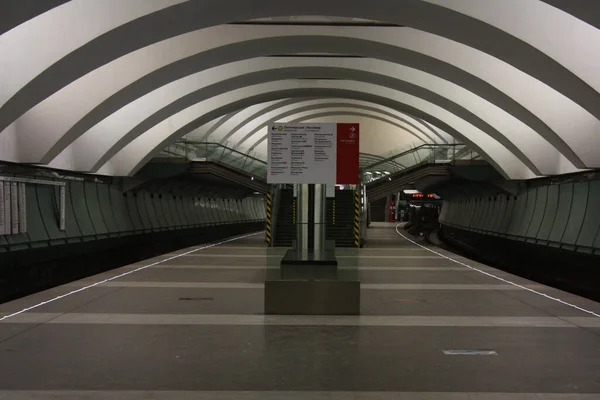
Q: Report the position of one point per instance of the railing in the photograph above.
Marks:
(424, 154)
(216, 152)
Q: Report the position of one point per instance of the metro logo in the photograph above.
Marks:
(348, 140)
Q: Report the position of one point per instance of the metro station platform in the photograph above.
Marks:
(189, 325)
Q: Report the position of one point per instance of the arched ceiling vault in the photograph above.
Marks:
(266, 113)
(528, 150)
(245, 134)
(93, 105)
(128, 115)
(470, 22)
(281, 115)
(102, 85)
(297, 117)
(127, 158)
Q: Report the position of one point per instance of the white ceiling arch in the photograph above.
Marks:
(243, 136)
(393, 130)
(538, 78)
(409, 158)
(103, 31)
(81, 98)
(138, 151)
(97, 151)
(378, 143)
(131, 121)
(247, 119)
(54, 130)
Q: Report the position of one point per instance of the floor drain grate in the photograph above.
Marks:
(197, 298)
(470, 352)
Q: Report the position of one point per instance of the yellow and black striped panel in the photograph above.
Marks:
(356, 219)
(294, 212)
(333, 212)
(269, 214)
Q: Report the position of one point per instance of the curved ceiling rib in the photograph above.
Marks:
(276, 115)
(16, 12)
(381, 84)
(291, 114)
(546, 28)
(240, 119)
(126, 161)
(261, 137)
(588, 11)
(544, 101)
(87, 82)
(235, 134)
(166, 22)
(125, 119)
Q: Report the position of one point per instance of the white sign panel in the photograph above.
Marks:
(302, 153)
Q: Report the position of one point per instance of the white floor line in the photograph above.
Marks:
(498, 278)
(122, 275)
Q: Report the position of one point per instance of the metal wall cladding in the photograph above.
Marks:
(564, 215)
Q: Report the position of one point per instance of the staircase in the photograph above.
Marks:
(285, 230)
(342, 231)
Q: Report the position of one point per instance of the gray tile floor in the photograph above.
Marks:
(191, 327)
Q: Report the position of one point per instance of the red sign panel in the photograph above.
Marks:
(347, 168)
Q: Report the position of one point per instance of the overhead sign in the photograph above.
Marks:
(325, 153)
(422, 196)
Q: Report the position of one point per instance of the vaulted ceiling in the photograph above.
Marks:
(103, 86)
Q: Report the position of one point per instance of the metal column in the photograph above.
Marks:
(303, 215)
(320, 200)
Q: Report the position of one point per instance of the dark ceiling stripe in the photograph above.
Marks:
(316, 56)
(253, 48)
(192, 15)
(312, 92)
(15, 12)
(307, 23)
(585, 10)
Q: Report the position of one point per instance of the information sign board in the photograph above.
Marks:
(324, 153)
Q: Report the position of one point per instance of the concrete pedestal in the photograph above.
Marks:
(312, 297)
(309, 284)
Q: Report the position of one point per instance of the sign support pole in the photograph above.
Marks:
(319, 217)
(302, 231)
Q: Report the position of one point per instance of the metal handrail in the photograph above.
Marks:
(217, 153)
(413, 150)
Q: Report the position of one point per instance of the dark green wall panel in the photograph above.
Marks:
(563, 215)
(510, 206)
(106, 208)
(49, 211)
(550, 214)
(122, 215)
(161, 213)
(93, 206)
(538, 212)
(78, 199)
(134, 212)
(517, 217)
(591, 224)
(527, 213)
(577, 214)
(563, 211)
(140, 202)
